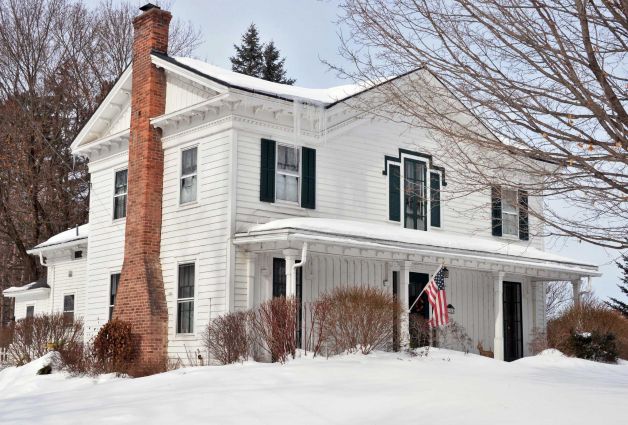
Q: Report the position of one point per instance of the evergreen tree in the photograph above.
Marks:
(249, 57)
(274, 66)
(614, 303)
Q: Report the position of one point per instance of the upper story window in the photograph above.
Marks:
(114, 281)
(189, 177)
(68, 307)
(509, 212)
(120, 194)
(288, 173)
(414, 191)
(185, 298)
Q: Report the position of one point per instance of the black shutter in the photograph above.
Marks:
(524, 233)
(496, 210)
(435, 199)
(308, 185)
(267, 171)
(394, 194)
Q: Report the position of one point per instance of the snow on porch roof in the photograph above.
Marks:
(325, 97)
(387, 236)
(21, 290)
(70, 235)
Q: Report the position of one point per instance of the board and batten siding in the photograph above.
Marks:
(470, 292)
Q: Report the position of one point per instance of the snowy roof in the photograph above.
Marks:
(388, 234)
(16, 290)
(70, 235)
(233, 79)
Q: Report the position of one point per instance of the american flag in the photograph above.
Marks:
(438, 300)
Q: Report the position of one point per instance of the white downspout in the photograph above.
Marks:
(300, 264)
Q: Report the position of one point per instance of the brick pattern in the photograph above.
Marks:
(141, 297)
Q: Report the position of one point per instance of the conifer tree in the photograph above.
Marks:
(621, 306)
(249, 57)
(274, 65)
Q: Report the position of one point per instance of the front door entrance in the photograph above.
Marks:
(279, 290)
(420, 313)
(513, 332)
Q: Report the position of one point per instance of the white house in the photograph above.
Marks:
(259, 176)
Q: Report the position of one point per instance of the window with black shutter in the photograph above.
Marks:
(524, 232)
(496, 211)
(394, 193)
(308, 183)
(509, 211)
(415, 199)
(114, 281)
(435, 199)
(267, 171)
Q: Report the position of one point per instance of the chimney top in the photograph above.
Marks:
(149, 6)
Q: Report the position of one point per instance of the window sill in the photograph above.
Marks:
(117, 221)
(287, 204)
(510, 238)
(184, 337)
(189, 205)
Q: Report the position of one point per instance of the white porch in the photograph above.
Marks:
(341, 253)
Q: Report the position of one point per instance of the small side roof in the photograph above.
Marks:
(30, 288)
(69, 237)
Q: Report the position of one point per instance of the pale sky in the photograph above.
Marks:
(305, 31)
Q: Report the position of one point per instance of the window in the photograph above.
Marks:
(30, 311)
(185, 299)
(68, 307)
(78, 254)
(119, 195)
(113, 290)
(188, 175)
(288, 173)
(510, 212)
(415, 199)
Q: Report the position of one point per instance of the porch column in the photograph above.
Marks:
(575, 285)
(251, 262)
(291, 284)
(498, 343)
(404, 320)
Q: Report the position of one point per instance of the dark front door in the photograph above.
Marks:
(420, 312)
(279, 290)
(513, 332)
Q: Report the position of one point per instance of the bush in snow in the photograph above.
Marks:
(453, 337)
(227, 337)
(591, 317)
(35, 336)
(273, 326)
(594, 346)
(360, 319)
(115, 348)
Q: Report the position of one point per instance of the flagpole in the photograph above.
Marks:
(424, 288)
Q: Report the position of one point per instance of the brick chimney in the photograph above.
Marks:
(141, 298)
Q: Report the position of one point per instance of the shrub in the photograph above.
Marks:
(115, 348)
(359, 318)
(453, 337)
(6, 336)
(227, 337)
(590, 317)
(538, 341)
(594, 346)
(273, 326)
(35, 336)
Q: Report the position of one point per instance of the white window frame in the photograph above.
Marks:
(113, 213)
(183, 176)
(73, 311)
(111, 306)
(515, 214)
(27, 307)
(180, 263)
(402, 183)
(289, 173)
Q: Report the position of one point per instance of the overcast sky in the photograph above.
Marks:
(306, 31)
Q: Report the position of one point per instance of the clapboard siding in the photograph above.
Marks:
(350, 184)
(181, 94)
(196, 233)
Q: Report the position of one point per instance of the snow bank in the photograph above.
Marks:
(446, 387)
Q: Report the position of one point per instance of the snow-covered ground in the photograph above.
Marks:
(382, 388)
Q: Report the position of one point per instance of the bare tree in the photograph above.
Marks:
(558, 295)
(511, 88)
(58, 59)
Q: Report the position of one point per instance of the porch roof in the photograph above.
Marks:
(390, 237)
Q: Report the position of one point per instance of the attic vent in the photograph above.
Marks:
(78, 254)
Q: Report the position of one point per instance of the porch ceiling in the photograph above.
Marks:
(390, 242)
